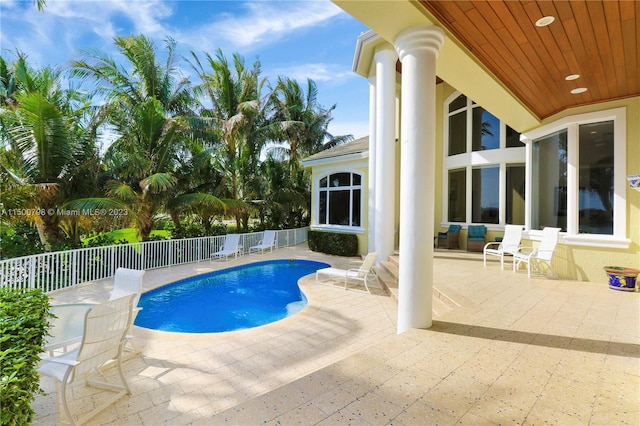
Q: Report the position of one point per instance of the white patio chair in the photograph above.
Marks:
(128, 281)
(538, 256)
(268, 241)
(105, 326)
(362, 274)
(509, 245)
(230, 247)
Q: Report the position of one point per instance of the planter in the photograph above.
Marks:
(621, 278)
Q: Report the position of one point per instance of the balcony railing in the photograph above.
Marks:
(63, 269)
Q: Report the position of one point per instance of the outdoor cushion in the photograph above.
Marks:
(453, 229)
(476, 232)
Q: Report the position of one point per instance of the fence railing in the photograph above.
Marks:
(62, 269)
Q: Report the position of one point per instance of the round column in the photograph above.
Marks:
(371, 226)
(417, 48)
(385, 60)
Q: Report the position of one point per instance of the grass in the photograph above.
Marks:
(130, 235)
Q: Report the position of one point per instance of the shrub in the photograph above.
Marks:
(333, 243)
(23, 325)
(23, 240)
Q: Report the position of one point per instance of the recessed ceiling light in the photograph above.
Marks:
(579, 90)
(572, 77)
(544, 21)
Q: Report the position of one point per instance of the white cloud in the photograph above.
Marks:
(261, 23)
(144, 16)
(270, 21)
(318, 72)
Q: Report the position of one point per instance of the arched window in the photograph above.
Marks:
(340, 199)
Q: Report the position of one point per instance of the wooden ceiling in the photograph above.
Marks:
(597, 40)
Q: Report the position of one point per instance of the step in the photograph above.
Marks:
(390, 268)
(388, 279)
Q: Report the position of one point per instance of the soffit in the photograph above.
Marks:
(597, 40)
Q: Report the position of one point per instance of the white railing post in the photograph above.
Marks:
(112, 257)
(32, 272)
(73, 268)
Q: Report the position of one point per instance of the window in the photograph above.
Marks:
(515, 194)
(595, 179)
(484, 195)
(484, 166)
(578, 178)
(458, 125)
(549, 182)
(340, 200)
(512, 138)
(486, 130)
(457, 195)
(473, 128)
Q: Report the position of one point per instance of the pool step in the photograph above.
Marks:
(388, 277)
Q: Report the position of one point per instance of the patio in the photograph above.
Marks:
(516, 351)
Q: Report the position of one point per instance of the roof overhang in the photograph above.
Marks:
(455, 64)
(334, 160)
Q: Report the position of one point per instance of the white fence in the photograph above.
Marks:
(62, 269)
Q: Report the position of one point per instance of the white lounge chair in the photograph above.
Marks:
(105, 326)
(268, 241)
(509, 245)
(362, 274)
(536, 257)
(230, 247)
(128, 281)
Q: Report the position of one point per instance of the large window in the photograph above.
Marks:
(595, 179)
(457, 195)
(484, 195)
(549, 182)
(578, 177)
(340, 200)
(486, 130)
(484, 166)
(515, 206)
(458, 125)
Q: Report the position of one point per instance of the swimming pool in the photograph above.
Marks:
(231, 299)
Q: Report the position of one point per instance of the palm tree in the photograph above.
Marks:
(49, 138)
(149, 109)
(301, 123)
(236, 113)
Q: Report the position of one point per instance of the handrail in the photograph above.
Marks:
(62, 269)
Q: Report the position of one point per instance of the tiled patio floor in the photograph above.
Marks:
(516, 351)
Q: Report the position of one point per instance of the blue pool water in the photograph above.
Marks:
(232, 299)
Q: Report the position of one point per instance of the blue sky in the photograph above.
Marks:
(299, 39)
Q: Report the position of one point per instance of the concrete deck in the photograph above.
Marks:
(515, 351)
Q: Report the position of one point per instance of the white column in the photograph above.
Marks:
(417, 49)
(385, 60)
(371, 233)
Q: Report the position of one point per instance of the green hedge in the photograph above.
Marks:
(333, 243)
(23, 325)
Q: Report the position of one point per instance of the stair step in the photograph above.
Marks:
(390, 268)
(388, 278)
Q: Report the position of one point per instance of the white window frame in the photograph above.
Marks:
(571, 124)
(316, 202)
(500, 157)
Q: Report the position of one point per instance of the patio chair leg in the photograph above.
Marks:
(62, 396)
